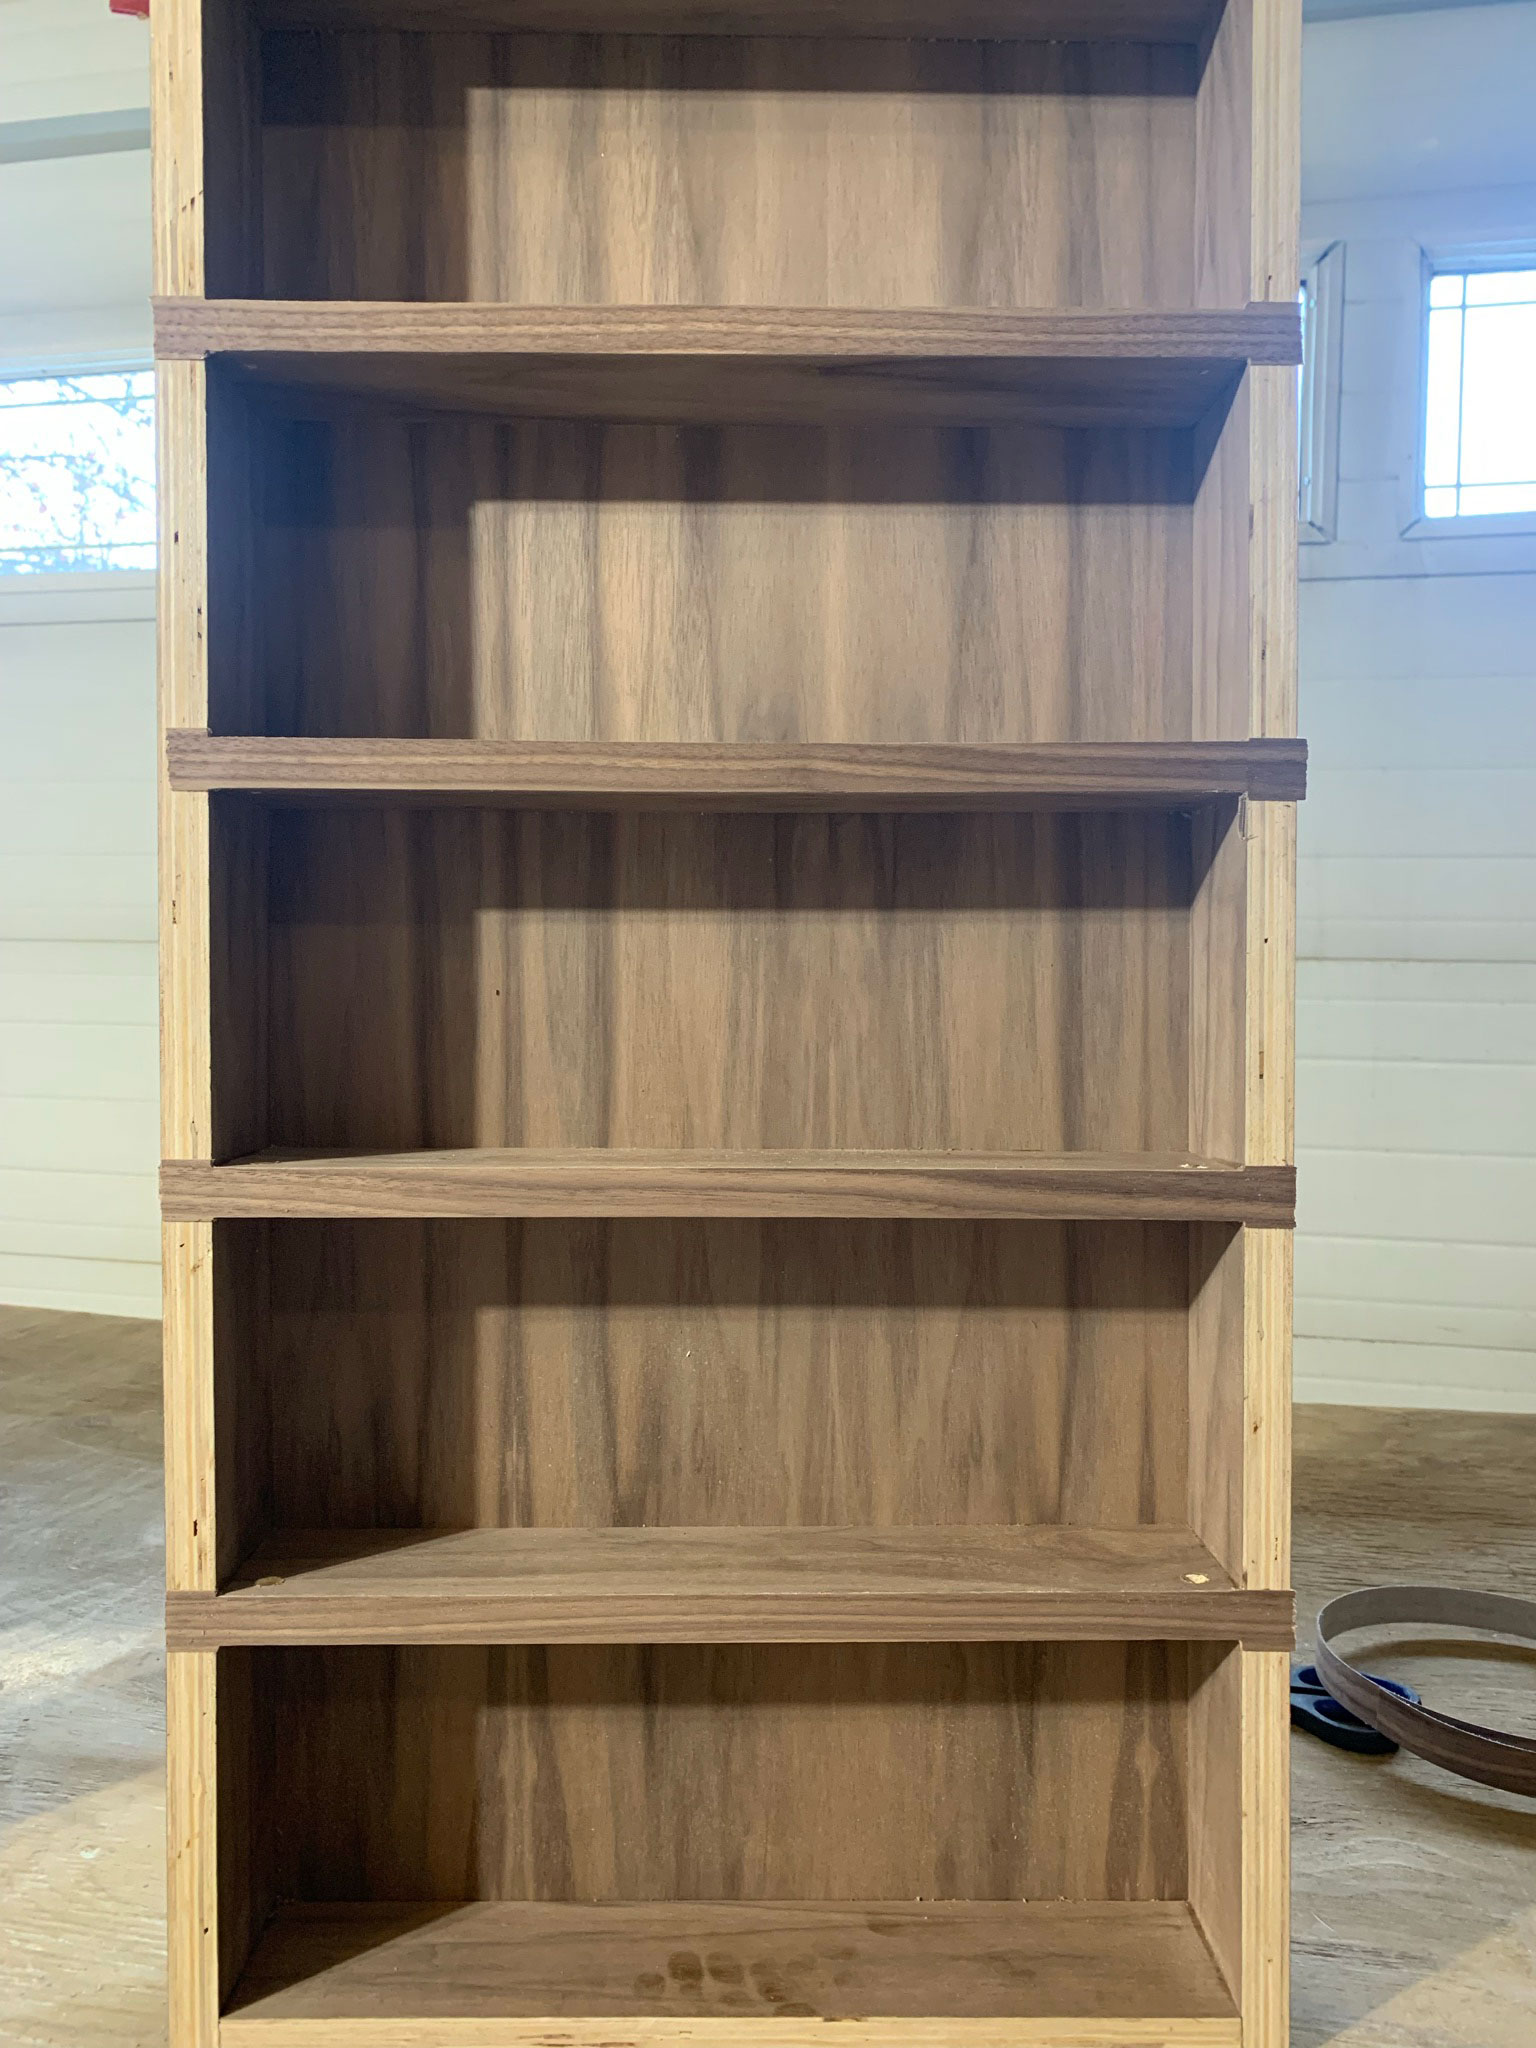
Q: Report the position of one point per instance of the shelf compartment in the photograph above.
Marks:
(757, 1777)
(743, 363)
(602, 1182)
(1071, 1974)
(637, 775)
(1142, 21)
(775, 1585)
(456, 574)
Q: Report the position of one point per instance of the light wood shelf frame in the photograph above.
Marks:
(1189, 1951)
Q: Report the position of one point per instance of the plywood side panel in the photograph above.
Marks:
(239, 1338)
(191, 1529)
(192, 1893)
(1216, 1442)
(489, 978)
(1268, 1286)
(1222, 565)
(1271, 977)
(176, 129)
(462, 578)
(204, 100)
(592, 1375)
(1223, 227)
(1216, 1813)
(1217, 980)
(1272, 552)
(728, 171)
(1266, 1877)
(242, 1844)
(800, 1772)
(185, 1101)
(1275, 173)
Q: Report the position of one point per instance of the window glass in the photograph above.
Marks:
(1480, 394)
(77, 472)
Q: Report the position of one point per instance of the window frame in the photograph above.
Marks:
(1442, 260)
(1317, 507)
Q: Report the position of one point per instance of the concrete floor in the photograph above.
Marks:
(1415, 1901)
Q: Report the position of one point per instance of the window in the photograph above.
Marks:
(1480, 393)
(77, 473)
(1317, 413)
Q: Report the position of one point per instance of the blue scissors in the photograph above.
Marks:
(1314, 1708)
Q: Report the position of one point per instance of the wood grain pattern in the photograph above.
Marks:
(1060, 391)
(257, 329)
(718, 172)
(728, 363)
(889, 1163)
(596, 1375)
(1176, 21)
(588, 1183)
(1216, 1502)
(176, 130)
(1266, 1879)
(707, 982)
(192, 1892)
(1268, 1288)
(718, 1971)
(805, 1771)
(717, 1585)
(462, 578)
(192, 1557)
(186, 1113)
(704, 776)
(1219, 1820)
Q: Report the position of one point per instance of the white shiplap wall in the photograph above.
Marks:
(78, 1078)
(78, 1143)
(1416, 1072)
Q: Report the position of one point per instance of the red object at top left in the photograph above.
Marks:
(138, 7)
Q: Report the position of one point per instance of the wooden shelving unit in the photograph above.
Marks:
(728, 825)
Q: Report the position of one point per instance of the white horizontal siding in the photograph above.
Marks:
(78, 1074)
(1416, 987)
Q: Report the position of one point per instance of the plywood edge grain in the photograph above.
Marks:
(690, 1585)
(189, 327)
(1083, 1187)
(248, 2030)
(1266, 1874)
(852, 776)
(191, 1847)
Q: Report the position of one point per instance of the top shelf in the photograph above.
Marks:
(1142, 21)
(743, 363)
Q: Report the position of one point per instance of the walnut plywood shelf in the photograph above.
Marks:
(730, 1586)
(1058, 1975)
(744, 777)
(724, 363)
(728, 832)
(606, 1183)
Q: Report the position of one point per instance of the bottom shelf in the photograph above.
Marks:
(1074, 1974)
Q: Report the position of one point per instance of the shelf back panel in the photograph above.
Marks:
(456, 577)
(991, 983)
(689, 1374)
(622, 170)
(806, 1771)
